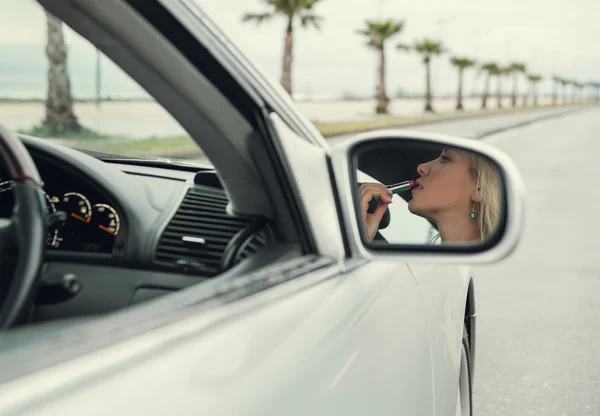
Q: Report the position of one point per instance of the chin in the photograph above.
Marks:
(414, 207)
(420, 211)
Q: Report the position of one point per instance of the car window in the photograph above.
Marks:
(57, 86)
(404, 227)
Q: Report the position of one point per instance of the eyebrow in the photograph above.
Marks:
(450, 150)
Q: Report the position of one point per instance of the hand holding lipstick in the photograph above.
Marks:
(367, 192)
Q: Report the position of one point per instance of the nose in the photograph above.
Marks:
(423, 169)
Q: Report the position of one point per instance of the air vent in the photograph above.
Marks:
(196, 237)
(253, 244)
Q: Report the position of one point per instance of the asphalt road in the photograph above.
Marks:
(538, 311)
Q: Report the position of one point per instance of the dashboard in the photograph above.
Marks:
(91, 222)
(130, 232)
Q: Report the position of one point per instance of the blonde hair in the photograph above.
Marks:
(488, 189)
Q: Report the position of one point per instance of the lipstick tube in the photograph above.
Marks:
(400, 187)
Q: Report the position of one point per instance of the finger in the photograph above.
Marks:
(376, 192)
(374, 189)
(380, 210)
(365, 209)
(368, 197)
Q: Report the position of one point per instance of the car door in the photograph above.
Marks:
(377, 361)
(380, 362)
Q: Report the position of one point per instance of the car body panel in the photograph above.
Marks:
(347, 343)
(444, 291)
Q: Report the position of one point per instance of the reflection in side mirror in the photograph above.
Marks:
(416, 193)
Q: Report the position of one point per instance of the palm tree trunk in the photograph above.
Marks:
(554, 94)
(428, 106)
(535, 98)
(514, 91)
(526, 95)
(485, 92)
(499, 90)
(564, 94)
(60, 117)
(286, 75)
(459, 104)
(382, 99)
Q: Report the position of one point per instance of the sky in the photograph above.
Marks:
(550, 36)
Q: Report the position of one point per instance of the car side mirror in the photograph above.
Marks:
(428, 196)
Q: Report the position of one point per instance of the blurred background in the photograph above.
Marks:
(437, 58)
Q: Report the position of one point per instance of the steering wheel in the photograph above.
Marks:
(25, 231)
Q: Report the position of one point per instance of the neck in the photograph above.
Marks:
(457, 228)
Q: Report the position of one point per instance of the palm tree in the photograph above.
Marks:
(377, 33)
(534, 79)
(573, 85)
(516, 68)
(557, 80)
(428, 48)
(60, 117)
(564, 83)
(461, 64)
(491, 69)
(290, 9)
(502, 71)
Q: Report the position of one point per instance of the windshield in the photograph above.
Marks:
(57, 86)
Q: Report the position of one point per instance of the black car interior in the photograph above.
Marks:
(120, 234)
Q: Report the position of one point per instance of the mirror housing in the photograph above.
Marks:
(503, 241)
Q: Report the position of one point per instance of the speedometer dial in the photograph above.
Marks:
(106, 219)
(77, 206)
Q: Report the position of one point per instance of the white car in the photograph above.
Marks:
(243, 290)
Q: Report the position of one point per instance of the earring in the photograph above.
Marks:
(473, 215)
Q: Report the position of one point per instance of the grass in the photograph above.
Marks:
(176, 146)
(42, 130)
(75, 100)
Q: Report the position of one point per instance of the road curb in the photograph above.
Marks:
(491, 132)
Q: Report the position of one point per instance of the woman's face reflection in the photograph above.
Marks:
(447, 186)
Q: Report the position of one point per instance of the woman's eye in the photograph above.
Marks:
(444, 159)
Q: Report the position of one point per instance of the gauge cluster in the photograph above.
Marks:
(91, 225)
